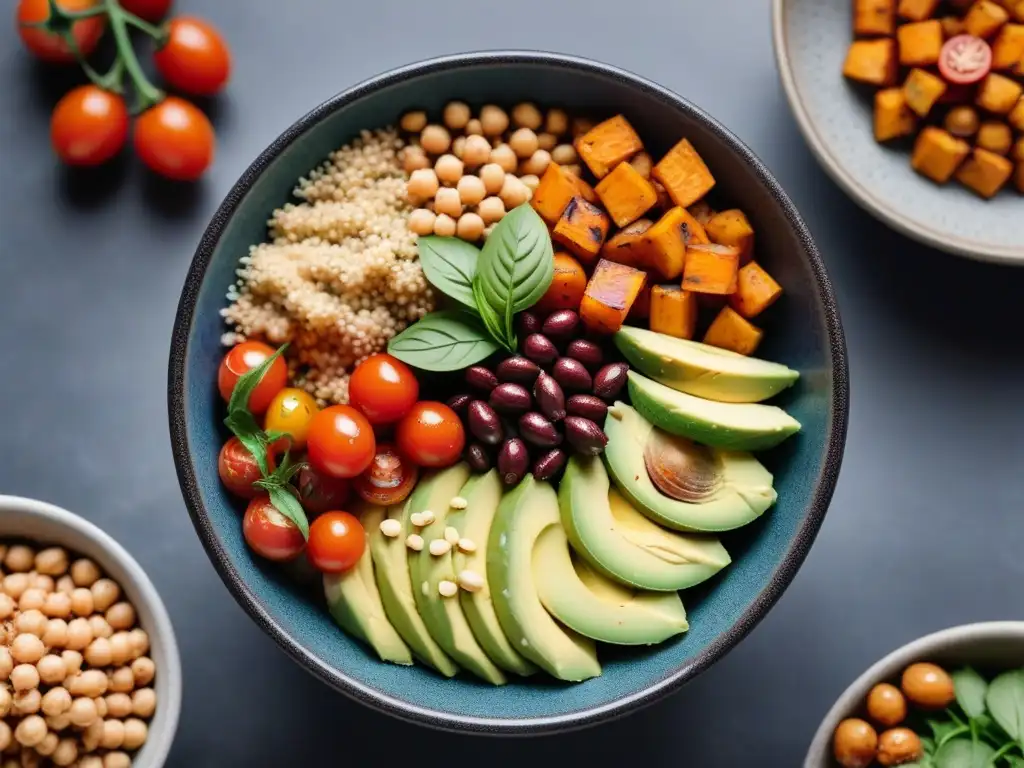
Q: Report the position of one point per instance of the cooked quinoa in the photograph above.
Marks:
(340, 275)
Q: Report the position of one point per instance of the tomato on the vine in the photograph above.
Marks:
(51, 47)
(241, 359)
(340, 441)
(389, 479)
(150, 10)
(431, 434)
(89, 126)
(336, 542)
(291, 411)
(238, 469)
(383, 388)
(319, 492)
(175, 139)
(194, 57)
(269, 533)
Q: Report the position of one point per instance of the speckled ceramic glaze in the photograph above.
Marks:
(804, 331)
(811, 40)
(988, 646)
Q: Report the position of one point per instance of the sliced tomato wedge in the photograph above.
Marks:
(965, 60)
(389, 479)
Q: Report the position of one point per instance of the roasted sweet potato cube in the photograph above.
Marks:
(557, 187)
(732, 228)
(702, 212)
(998, 94)
(756, 290)
(938, 153)
(730, 331)
(610, 294)
(628, 246)
(922, 90)
(893, 118)
(1016, 116)
(607, 144)
(920, 43)
(711, 268)
(1008, 47)
(582, 229)
(985, 172)
(667, 240)
(683, 174)
(673, 311)
(985, 18)
(917, 10)
(952, 26)
(872, 61)
(1018, 11)
(874, 17)
(626, 194)
(641, 309)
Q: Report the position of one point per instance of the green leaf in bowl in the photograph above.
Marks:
(448, 340)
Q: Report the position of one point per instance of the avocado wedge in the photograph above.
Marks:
(702, 370)
(733, 426)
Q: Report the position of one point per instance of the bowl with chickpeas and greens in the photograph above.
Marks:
(89, 668)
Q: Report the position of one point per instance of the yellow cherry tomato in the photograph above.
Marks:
(291, 411)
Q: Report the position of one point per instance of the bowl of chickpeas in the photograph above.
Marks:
(89, 669)
(939, 700)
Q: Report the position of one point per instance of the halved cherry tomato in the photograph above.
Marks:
(336, 542)
(431, 434)
(389, 479)
(150, 10)
(965, 60)
(89, 125)
(292, 410)
(321, 493)
(51, 47)
(194, 58)
(238, 469)
(383, 388)
(269, 533)
(340, 441)
(175, 139)
(241, 359)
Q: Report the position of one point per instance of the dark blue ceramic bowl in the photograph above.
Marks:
(803, 331)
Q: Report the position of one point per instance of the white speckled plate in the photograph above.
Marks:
(811, 38)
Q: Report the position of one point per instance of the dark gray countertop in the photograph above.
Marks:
(927, 526)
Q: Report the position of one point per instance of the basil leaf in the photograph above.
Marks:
(494, 324)
(516, 265)
(443, 341)
(248, 381)
(1005, 700)
(970, 690)
(449, 263)
(962, 753)
(243, 425)
(1014, 761)
(284, 501)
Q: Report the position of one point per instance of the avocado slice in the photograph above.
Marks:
(745, 494)
(607, 532)
(483, 494)
(735, 426)
(597, 607)
(391, 564)
(702, 370)
(523, 515)
(444, 616)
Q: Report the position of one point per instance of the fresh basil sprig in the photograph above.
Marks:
(283, 496)
(449, 263)
(447, 340)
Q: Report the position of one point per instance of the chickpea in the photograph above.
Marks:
(83, 712)
(113, 734)
(414, 159)
(90, 761)
(51, 669)
(31, 623)
(470, 227)
(447, 201)
(422, 184)
(547, 141)
(15, 585)
(537, 163)
(556, 122)
(27, 702)
(140, 642)
(514, 192)
(6, 663)
(491, 210)
(100, 627)
(99, 653)
(471, 190)
(414, 121)
(6, 606)
(6, 701)
(52, 561)
(84, 572)
(459, 146)
(58, 722)
(448, 169)
(72, 661)
(116, 760)
(474, 128)
(927, 685)
(81, 602)
(122, 680)
(574, 169)
(30, 731)
(19, 559)
(92, 735)
(66, 753)
(564, 154)
(477, 151)
(493, 177)
(995, 137)
(144, 702)
(531, 182)
(48, 745)
(527, 115)
(493, 120)
(523, 142)
(27, 649)
(41, 581)
(57, 605)
(79, 634)
(65, 584)
(898, 746)
(581, 125)
(56, 701)
(435, 139)
(642, 163)
(421, 221)
(6, 737)
(104, 594)
(505, 157)
(456, 115)
(135, 732)
(854, 744)
(101, 706)
(32, 599)
(962, 121)
(444, 226)
(92, 683)
(55, 635)
(119, 705)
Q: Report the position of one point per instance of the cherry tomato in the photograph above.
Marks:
(53, 48)
(194, 59)
(175, 139)
(389, 479)
(269, 533)
(336, 542)
(383, 388)
(238, 469)
(321, 493)
(89, 126)
(340, 441)
(291, 411)
(150, 10)
(965, 60)
(241, 359)
(431, 434)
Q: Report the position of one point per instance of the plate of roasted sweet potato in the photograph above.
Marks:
(916, 108)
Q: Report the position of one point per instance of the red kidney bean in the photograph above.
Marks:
(587, 406)
(561, 325)
(513, 461)
(537, 430)
(458, 403)
(481, 378)
(585, 436)
(587, 352)
(571, 375)
(539, 349)
(610, 380)
(484, 423)
(549, 396)
(477, 457)
(510, 399)
(518, 370)
(549, 465)
(527, 323)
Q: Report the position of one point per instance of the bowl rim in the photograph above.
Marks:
(864, 197)
(158, 745)
(824, 483)
(908, 653)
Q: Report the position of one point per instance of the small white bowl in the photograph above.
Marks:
(47, 524)
(994, 644)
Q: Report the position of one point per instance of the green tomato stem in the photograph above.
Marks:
(147, 94)
(155, 32)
